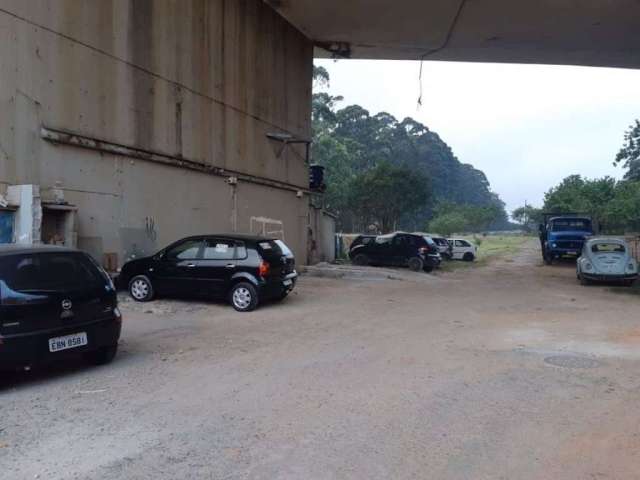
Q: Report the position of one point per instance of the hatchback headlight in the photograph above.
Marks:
(631, 268)
(554, 245)
(588, 266)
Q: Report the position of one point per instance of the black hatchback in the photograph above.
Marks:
(55, 302)
(243, 269)
(396, 249)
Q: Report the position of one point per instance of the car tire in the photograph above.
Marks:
(468, 257)
(243, 297)
(548, 260)
(102, 356)
(361, 259)
(415, 264)
(428, 268)
(141, 289)
(584, 281)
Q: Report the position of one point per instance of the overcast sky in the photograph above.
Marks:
(526, 126)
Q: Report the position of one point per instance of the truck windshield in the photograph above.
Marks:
(568, 224)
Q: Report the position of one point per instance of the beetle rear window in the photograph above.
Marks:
(607, 247)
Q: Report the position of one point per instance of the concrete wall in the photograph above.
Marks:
(203, 80)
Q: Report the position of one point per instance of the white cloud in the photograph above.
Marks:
(525, 126)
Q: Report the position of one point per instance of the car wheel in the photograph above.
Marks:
(548, 259)
(140, 288)
(428, 268)
(243, 297)
(468, 257)
(415, 264)
(361, 259)
(584, 280)
(102, 356)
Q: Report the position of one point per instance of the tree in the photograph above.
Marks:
(387, 192)
(448, 223)
(615, 205)
(576, 194)
(629, 154)
(451, 217)
(527, 215)
(350, 141)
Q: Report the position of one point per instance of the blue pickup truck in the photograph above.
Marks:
(562, 235)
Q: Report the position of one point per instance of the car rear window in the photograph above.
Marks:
(607, 247)
(48, 272)
(430, 241)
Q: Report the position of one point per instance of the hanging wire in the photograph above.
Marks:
(444, 44)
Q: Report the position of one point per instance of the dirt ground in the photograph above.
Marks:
(508, 371)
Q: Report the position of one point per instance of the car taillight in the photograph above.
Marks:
(264, 268)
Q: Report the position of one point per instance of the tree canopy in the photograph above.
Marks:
(350, 142)
(629, 154)
(614, 204)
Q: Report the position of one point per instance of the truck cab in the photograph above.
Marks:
(563, 235)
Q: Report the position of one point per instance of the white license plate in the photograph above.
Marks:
(287, 282)
(68, 341)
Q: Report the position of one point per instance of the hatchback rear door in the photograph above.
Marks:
(42, 291)
(214, 270)
(279, 257)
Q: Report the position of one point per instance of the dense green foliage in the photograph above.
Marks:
(350, 142)
(614, 204)
(453, 218)
(527, 216)
(629, 154)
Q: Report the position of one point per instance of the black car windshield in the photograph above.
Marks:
(48, 272)
(568, 224)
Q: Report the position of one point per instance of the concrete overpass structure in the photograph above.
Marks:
(129, 123)
(568, 32)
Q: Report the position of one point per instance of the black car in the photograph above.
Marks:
(55, 302)
(244, 269)
(396, 249)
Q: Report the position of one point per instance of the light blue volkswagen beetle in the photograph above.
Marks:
(606, 260)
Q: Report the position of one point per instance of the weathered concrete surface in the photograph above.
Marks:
(200, 79)
(581, 32)
(453, 379)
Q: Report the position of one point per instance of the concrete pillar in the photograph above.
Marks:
(28, 218)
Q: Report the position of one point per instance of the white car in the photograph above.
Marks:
(605, 260)
(462, 249)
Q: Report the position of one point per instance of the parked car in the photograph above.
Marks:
(461, 249)
(444, 248)
(606, 259)
(244, 269)
(55, 302)
(396, 249)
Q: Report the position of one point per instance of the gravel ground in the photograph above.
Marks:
(507, 371)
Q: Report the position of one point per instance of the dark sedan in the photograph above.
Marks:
(55, 302)
(244, 269)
